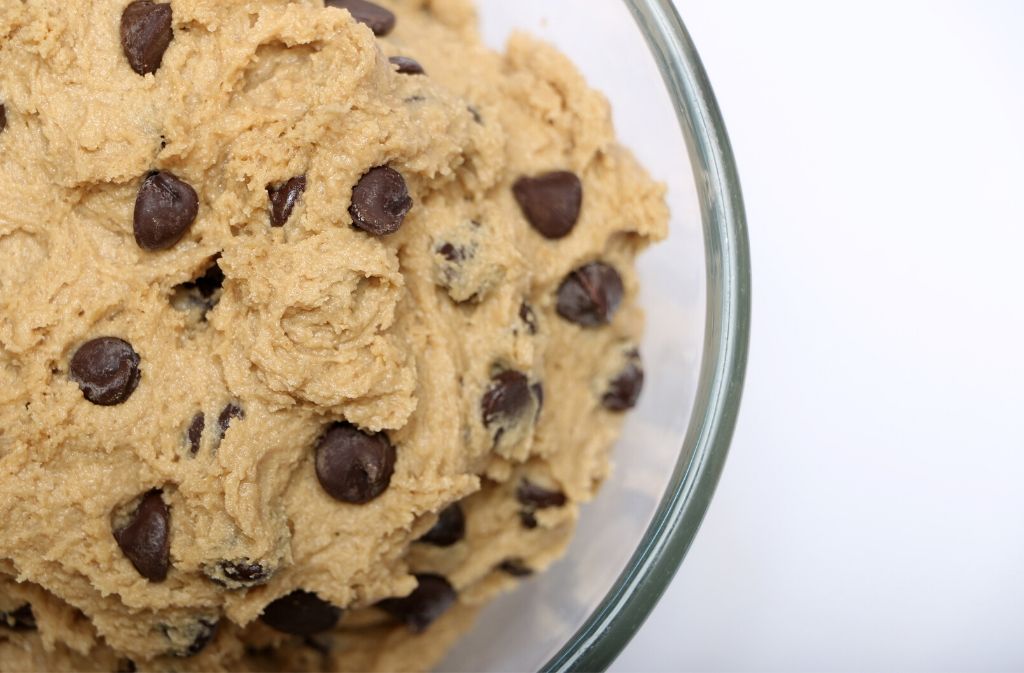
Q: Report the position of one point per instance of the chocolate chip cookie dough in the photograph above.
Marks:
(303, 310)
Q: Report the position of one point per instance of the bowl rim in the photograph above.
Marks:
(625, 607)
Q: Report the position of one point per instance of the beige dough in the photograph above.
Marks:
(317, 322)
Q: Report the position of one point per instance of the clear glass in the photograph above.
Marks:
(631, 539)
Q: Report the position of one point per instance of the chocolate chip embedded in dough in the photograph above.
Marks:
(624, 390)
(195, 432)
(380, 201)
(550, 202)
(3, 117)
(146, 32)
(515, 567)
(538, 497)
(354, 466)
(230, 412)
(407, 66)
(106, 370)
(145, 539)
(301, 613)
(449, 529)
(528, 519)
(19, 619)
(239, 573)
(165, 208)
(528, 317)
(283, 198)
(506, 399)
(431, 598)
(380, 20)
(590, 295)
(191, 638)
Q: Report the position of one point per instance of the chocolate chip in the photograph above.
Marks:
(528, 317)
(211, 281)
(380, 201)
(452, 253)
(380, 20)
(203, 292)
(195, 432)
(449, 529)
(3, 118)
(624, 390)
(19, 619)
(528, 519)
(537, 497)
(164, 210)
(145, 540)
(204, 634)
(354, 466)
(106, 370)
(418, 610)
(191, 638)
(283, 198)
(146, 33)
(550, 202)
(238, 574)
(590, 295)
(301, 613)
(507, 397)
(230, 412)
(515, 567)
(407, 66)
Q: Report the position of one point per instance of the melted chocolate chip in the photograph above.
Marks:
(380, 20)
(106, 370)
(20, 619)
(528, 317)
(590, 295)
(145, 540)
(418, 610)
(515, 567)
(449, 529)
(537, 497)
(164, 210)
(407, 66)
(354, 466)
(507, 397)
(624, 390)
(3, 118)
(146, 33)
(550, 202)
(301, 613)
(283, 198)
(230, 412)
(380, 201)
(195, 432)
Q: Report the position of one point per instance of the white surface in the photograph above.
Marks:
(871, 515)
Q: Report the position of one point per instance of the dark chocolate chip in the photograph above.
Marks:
(230, 412)
(449, 529)
(164, 210)
(407, 66)
(195, 432)
(507, 397)
(528, 519)
(238, 574)
(515, 567)
(283, 198)
(476, 114)
(3, 117)
(211, 281)
(203, 292)
(528, 317)
(380, 20)
(380, 201)
(452, 253)
(106, 369)
(301, 613)
(354, 466)
(146, 33)
(418, 610)
(624, 390)
(19, 619)
(550, 202)
(590, 295)
(537, 497)
(145, 540)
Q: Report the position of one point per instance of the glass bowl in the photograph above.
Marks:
(696, 291)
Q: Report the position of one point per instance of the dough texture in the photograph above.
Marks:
(314, 323)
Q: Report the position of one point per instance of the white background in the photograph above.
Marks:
(871, 514)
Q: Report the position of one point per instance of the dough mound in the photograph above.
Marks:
(297, 342)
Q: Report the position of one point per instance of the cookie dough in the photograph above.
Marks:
(302, 312)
